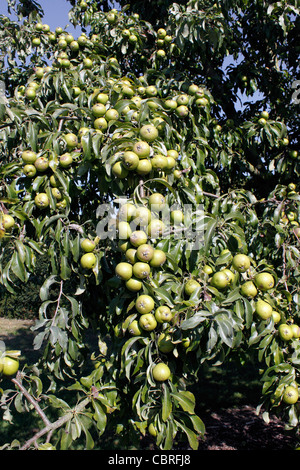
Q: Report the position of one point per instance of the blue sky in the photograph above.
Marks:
(56, 12)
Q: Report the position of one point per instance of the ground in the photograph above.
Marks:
(230, 423)
(241, 429)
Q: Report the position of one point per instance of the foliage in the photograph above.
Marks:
(233, 174)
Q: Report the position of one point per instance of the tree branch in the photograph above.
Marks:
(49, 427)
(17, 382)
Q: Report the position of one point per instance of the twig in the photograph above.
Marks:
(142, 189)
(31, 400)
(57, 424)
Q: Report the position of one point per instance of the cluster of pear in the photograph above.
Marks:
(163, 42)
(289, 216)
(141, 256)
(62, 40)
(138, 226)
(36, 164)
(142, 159)
(253, 287)
(88, 259)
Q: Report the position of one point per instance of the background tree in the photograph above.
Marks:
(141, 108)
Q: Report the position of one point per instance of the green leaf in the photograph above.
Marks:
(18, 267)
(166, 403)
(192, 437)
(44, 291)
(99, 416)
(209, 232)
(185, 400)
(195, 320)
(198, 424)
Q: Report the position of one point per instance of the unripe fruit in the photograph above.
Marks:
(156, 201)
(158, 259)
(102, 98)
(119, 170)
(159, 162)
(285, 332)
(262, 122)
(7, 221)
(144, 167)
(151, 90)
(177, 217)
(142, 216)
(152, 430)
(41, 164)
(127, 211)
(207, 269)
(182, 111)
(147, 322)
(71, 140)
(264, 114)
(171, 163)
(28, 156)
(130, 160)
(142, 149)
(263, 309)
(88, 261)
(124, 230)
(170, 104)
(145, 252)
(173, 153)
(191, 286)
(131, 256)
(41, 200)
(56, 193)
(148, 132)
(134, 328)
(248, 289)
(10, 366)
(138, 237)
(124, 271)
(161, 33)
(296, 330)
(193, 89)
(100, 124)
(98, 110)
(87, 63)
(219, 280)
(144, 304)
(241, 263)
(29, 170)
(65, 160)
(164, 343)
(141, 270)
(264, 281)
(134, 285)
(276, 317)
(163, 314)
(161, 372)
(87, 245)
(291, 395)
(155, 228)
(229, 275)
(36, 42)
